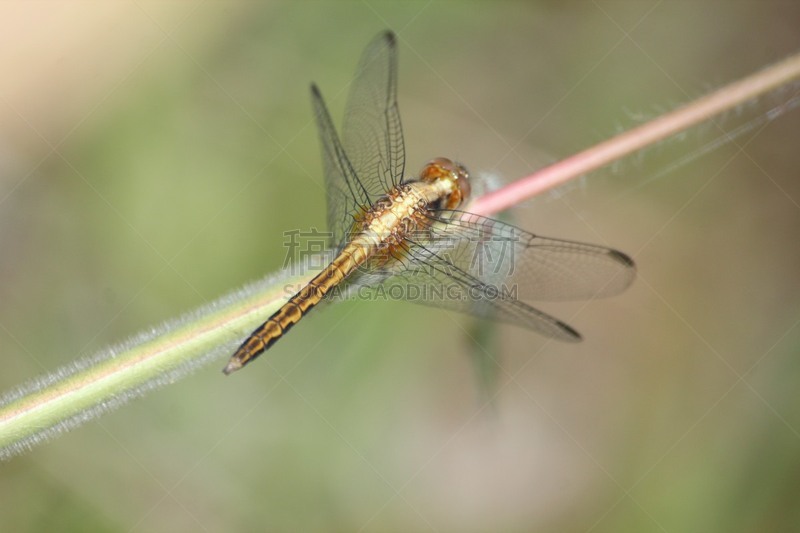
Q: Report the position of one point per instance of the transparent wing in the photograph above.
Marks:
(487, 268)
(370, 158)
(346, 194)
(433, 280)
(372, 134)
(537, 268)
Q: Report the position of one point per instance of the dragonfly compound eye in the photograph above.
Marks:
(442, 168)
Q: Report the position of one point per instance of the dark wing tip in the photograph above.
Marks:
(570, 334)
(622, 258)
(315, 90)
(390, 37)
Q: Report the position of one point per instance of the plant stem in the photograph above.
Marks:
(74, 394)
(624, 144)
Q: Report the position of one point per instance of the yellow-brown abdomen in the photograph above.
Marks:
(353, 255)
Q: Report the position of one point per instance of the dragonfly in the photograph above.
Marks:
(407, 234)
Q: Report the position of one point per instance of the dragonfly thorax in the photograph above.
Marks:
(411, 206)
(391, 219)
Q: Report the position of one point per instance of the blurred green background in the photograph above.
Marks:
(153, 153)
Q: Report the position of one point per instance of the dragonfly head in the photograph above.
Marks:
(451, 172)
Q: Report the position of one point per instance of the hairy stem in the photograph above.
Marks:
(625, 144)
(75, 393)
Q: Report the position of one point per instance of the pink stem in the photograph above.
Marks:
(629, 142)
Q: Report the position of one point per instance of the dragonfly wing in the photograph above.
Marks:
(370, 158)
(534, 267)
(346, 194)
(430, 279)
(372, 134)
(487, 268)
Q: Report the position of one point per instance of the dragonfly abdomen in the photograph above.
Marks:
(268, 333)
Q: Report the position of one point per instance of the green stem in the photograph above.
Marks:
(72, 395)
